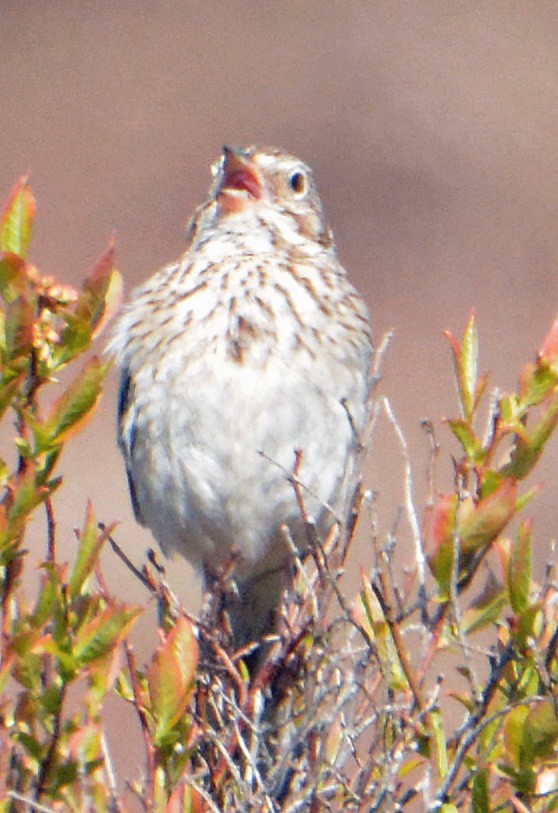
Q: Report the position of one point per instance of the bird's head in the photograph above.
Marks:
(275, 187)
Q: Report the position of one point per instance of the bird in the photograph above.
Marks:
(248, 356)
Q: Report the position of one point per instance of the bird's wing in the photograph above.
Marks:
(126, 436)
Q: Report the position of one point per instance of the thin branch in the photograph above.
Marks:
(144, 724)
(51, 530)
(50, 757)
(409, 504)
(141, 576)
(111, 778)
(33, 805)
(402, 649)
(473, 726)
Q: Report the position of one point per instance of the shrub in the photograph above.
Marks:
(346, 707)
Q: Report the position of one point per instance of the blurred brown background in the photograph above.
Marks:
(432, 129)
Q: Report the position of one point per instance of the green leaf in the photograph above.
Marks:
(490, 482)
(16, 222)
(510, 410)
(465, 359)
(124, 687)
(77, 403)
(527, 626)
(465, 434)
(469, 364)
(480, 792)
(486, 608)
(26, 496)
(441, 745)
(51, 699)
(537, 382)
(75, 339)
(33, 747)
(540, 733)
(103, 633)
(65, 774)
(8, 391)
(524, 499)
(50, 595)
(185, 647)
(528, 448)
(513, 734)
(369, 613)
(520, 568)
(90, 545)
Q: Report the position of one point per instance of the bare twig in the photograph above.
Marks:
(33, 805)
(144, 724)
(473, 726)
(49, 760)
(51, 530)
(409, 505)
(147, 582)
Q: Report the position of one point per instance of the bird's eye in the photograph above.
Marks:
(297, 182)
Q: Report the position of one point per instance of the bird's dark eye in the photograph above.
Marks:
(297, 182)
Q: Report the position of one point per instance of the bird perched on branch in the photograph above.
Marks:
(251, 350)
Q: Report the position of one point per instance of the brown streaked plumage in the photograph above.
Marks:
(252, 346)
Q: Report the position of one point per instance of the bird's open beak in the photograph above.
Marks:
(241, 182)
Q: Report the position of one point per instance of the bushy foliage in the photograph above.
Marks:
(346, 707)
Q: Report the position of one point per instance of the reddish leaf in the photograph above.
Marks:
(480, 523)
(19, 328)
(113, 300)
(185, 799)
(13, 276)
(456, 349)
(442, 530)
(549, 349)
(170, 676)
(101, 285)
(477, 524)
(443, 518)
(481, 388)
